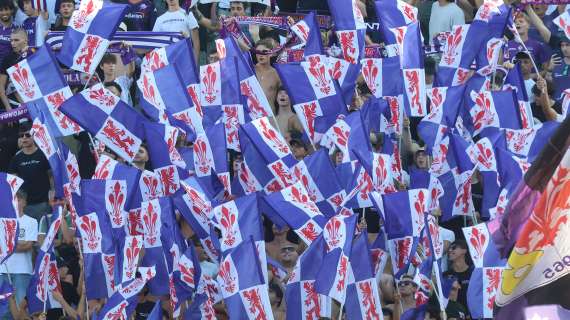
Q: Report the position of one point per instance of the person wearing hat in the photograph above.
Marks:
(31, 165)
(459, 267)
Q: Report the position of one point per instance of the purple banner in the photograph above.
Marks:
(14, 114)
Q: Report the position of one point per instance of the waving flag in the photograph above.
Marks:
(404, 212)
(294, 206)
(128, 261)
(45, 279)
(482, 247)
(303, 301)
(241, 280)
(42, 87)
(324, 189)
(383, 76)
(377, 166)
(539, 243)
(362, 298)
(90, 29)
(110, 120)
(481, 293)
(164, 95)
(394, 14)
(249, 85)
(445, 104)
(219, 83)
(277, 270)
(313, 94)
(494, 109)
(350, 28)
(349, 136)
(9, 185)
(563, 22)
(122, 303)
(308, 31)
(335, 273)
(108, 168)
(158, 222)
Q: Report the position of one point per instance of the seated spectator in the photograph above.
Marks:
(444, 15)
(177, 20)
(19, 266)
(460, 267)
(66, 8)
(108, 73)
(20, 50)
(31, 165)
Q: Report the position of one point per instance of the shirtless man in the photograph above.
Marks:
(266, 74)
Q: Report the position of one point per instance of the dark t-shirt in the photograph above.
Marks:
(33, 169)
(140, 16)
(561, 79)
(539, 114)
(463, 278)
(58, 27)
(5, 46)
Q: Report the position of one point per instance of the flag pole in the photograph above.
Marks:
(394, 275)
(11, 284)
(46, 289)
(340, 311)
(83, 261)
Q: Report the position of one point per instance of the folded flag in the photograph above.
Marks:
(403, 211)
(277, 270)
(378, 167)
(110, 169)
(349, 135)
(110, 120)
(563, 22)
(241, 280)
(91, 28)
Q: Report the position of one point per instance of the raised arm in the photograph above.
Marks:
(538, 24)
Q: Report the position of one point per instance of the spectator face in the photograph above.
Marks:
(6, 15)
(407, 287)
(25, 140)
(526, 66)
(262, 58)
(172, 3)
(141, 156)
(565, 48)
(421, 160)
(237, 9)
(28, 9)
(237, 163)
(213, 57)
(66, 10)
(288, 253)
(521, 24)
(299, 152)
(19, 41)
(283, 99)
(455, 253)
(109, 68)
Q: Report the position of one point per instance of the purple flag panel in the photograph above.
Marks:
(349, 136)
(362, 298)
(552, 312)
(241, 280)
(108, 168)
(497, 109)
(308, 32)
(110, 120)
(483, 286)
(403, 211)
(383, 76)
(90, 29)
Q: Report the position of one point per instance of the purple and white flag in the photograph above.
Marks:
(90, 29)
(9, 185)
(482, 247)
(350, 28)
(383, 76)
(482, 290)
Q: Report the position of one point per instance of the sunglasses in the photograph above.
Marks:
(287, 249)
(404, 283)
(25, 135)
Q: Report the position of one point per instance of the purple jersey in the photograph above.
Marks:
(140, 16)
(30, 26)
(561, 79)
(5, 46)
(536, 49)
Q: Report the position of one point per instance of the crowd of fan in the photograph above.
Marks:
(21, 30)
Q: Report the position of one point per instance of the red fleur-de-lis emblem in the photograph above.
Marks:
(452, 45)
(221, 48)
(209, 82)
(117, 199)
(370, 72)
(22, 77)
(154, 60)
(478, 241)
(255, 305)
(80, 18)
(132, 254)
(150, 218)
(169, 179)
(318, 73)
(347, 44)
(42, 138)
(90, 232)
(103, 96)
(269, 133)
(228, 280)
(228, 222)
(203, 161)
(309, 231)
(333, 233)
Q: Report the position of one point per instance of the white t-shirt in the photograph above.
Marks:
(442, 19)
(21, 262)
(529, 84)
(125, 83)
(177, 21)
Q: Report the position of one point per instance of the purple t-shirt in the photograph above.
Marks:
(140, 16)
(30, 26)
(5, 46)
(561, 79)
(536, 49)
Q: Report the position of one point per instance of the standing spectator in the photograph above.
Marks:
(444, 15)
(7, 10)
(459, 267)
(536, 49)
(526, 71)
(560, 67)
(20, 50)
(140, 15)
(238, 9)
(176, 20)
(108, 73)
(66, 8)
(31, 165)
(405, 299)
(266, 74)
(286, 118)
(36, 25)
(19, 266)
(545, 108)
